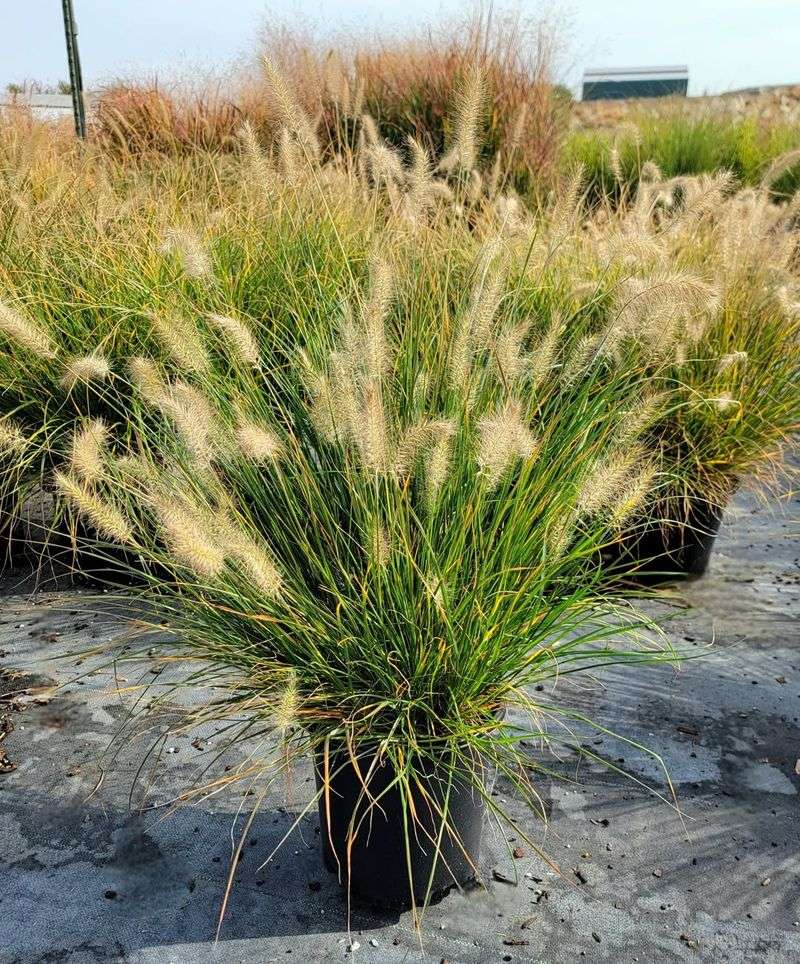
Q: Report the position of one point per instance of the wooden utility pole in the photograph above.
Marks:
(74, 61)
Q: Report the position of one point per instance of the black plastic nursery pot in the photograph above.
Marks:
(668, 550)
(385, 863)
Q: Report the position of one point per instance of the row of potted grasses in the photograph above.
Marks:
(367, 433)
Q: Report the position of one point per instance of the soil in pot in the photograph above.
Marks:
(378, 870)
(668, 550)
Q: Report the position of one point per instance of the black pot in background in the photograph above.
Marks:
(378, 873)
(665, 551)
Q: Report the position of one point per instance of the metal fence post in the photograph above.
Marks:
(75, 79)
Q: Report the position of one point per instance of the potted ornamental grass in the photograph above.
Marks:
(381, 549)
(697, 279)
(98, 261)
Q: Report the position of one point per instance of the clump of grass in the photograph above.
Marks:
(683, 143)
(391, 580)
(699, 269)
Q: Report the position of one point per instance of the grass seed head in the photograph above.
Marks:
(438, 461)
(503, 438)
(191, 251)
(147, 379)
(182, 341)
(290, 113)
(470, 102)
(240, 338)
(258, 443)
(85, 369)
(188, 537)
(735, 358)
(11, 437)
(87, 454)
(104, 517)
(25, 332)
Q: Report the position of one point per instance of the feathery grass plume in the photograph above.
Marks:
(258, 443)
(635, 421)
(559, 535)
(731, 360)
(335, 409)
(495, 177)
(469, 104)
(474, 188)
(580, 359)
(373, 436)
(385, 164)
(104, 517)
(285, 710)
(254, 557)
(633, 495)
(11, 438)
(541, 358)
(188, 537)
(650, 172)
(415, 440)
(370, 129)
(373, 319)
(438, 460)
(607, 480)
(475, 326)
(783, 163)
(337, 82)
(25, 332)
(582, 290)
(240, 338)
(517, 131)
(136, 468)
(512, 363)
(435, 589)
(182, 341)
(290, 113)
(357, 105)
(788, 304)
(261, 569)
(257, 160)
(484, 306)
(503, 438)
(568, 205)
(636, 246)
(703, 195)
(657, 310)
(379, 545)
(191, 252)
(615, 164)
(288, 159)
(87, 453)
(419, 173)
(87, 368)
(194, 417)
(345, 398)
(147, 379)
(509, 212)
(723, 401)
(322, 410)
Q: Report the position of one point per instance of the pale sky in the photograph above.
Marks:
(726, 43)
